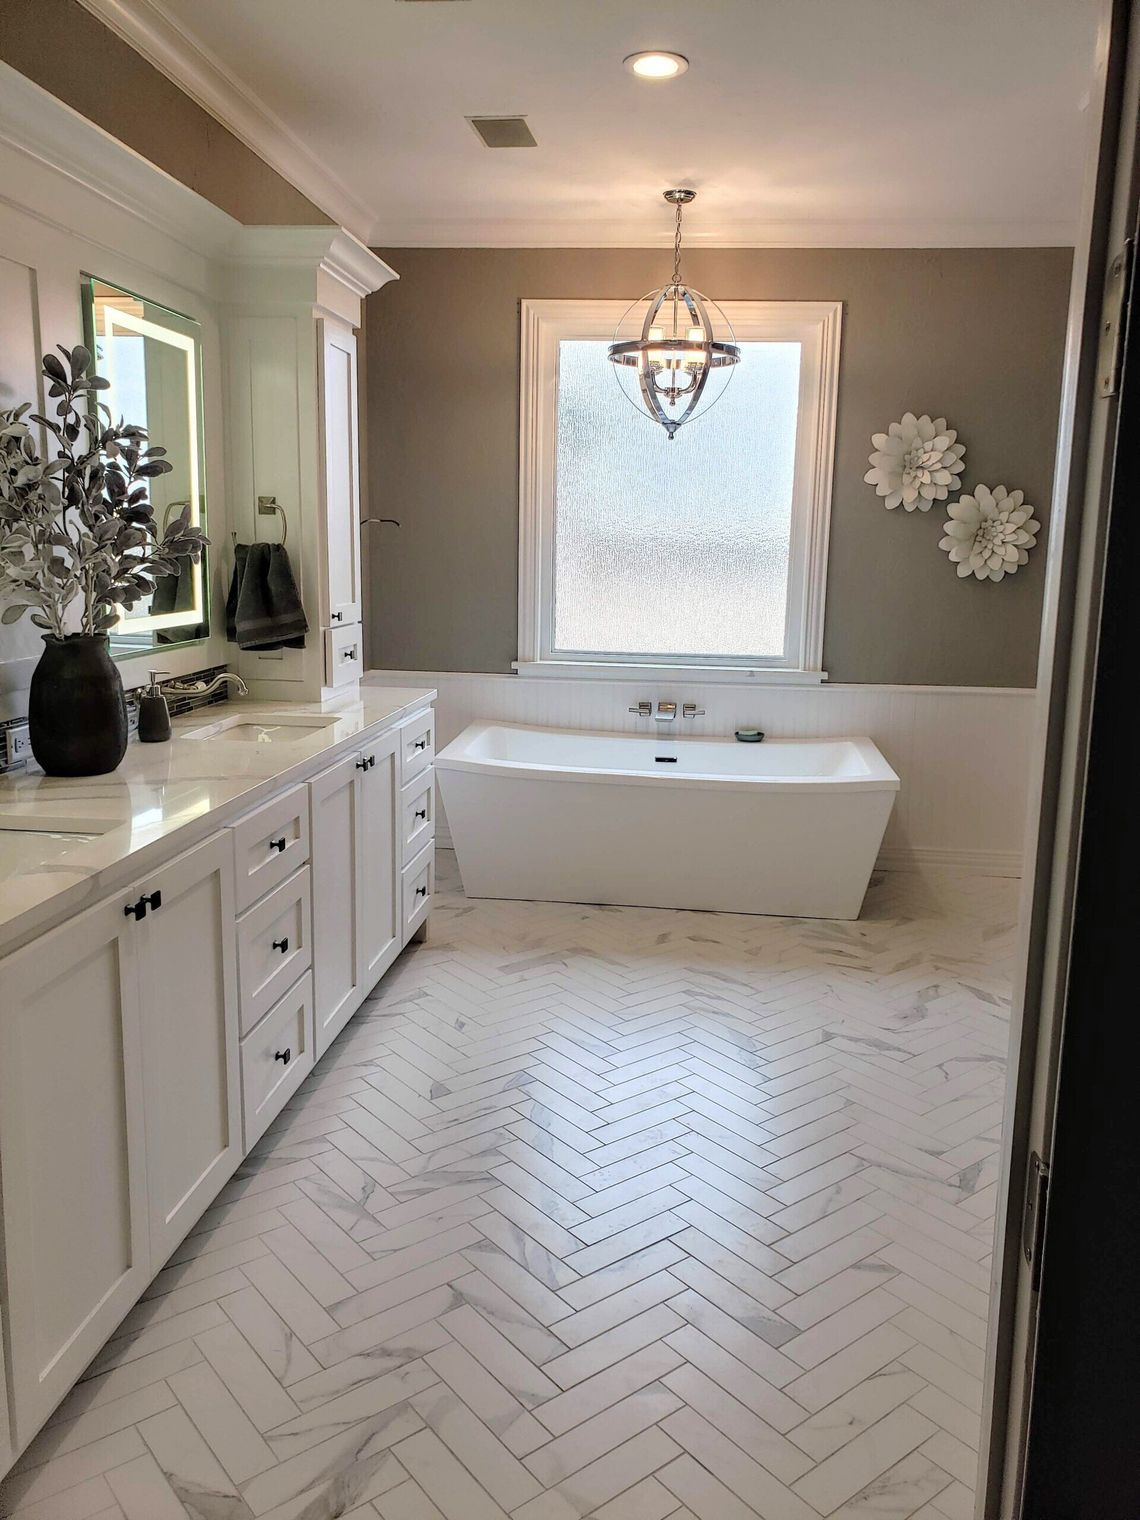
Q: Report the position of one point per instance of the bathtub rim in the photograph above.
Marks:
(452, 757)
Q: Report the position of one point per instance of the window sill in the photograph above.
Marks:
(698, 675)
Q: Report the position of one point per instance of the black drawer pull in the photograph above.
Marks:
(337, 616)
(421, 813)
(277, 844)
(137, 910)
(421, 891)
(285, 1055)
(421, 744)
(281, 944)
(366, 762)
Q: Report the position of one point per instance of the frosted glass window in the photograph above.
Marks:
(678, 548)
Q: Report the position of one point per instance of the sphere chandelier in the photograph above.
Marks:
(665, 371)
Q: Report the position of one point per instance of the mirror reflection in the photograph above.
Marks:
(152, 358)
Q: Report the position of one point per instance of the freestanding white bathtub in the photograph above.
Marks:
(558, 815)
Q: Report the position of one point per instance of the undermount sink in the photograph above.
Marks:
(272, 728)
(31, 840)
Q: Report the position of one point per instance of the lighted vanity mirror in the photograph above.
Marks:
(152, 357)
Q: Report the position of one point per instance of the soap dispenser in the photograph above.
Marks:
(154, 715)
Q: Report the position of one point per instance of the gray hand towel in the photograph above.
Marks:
(267, 613)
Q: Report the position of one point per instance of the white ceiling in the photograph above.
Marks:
(846, 122)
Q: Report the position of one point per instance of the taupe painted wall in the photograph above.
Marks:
(975, 335)
(70, 53)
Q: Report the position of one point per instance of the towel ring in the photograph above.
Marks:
(268, 506)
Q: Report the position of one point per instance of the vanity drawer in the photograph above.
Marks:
(417, 747)
(417, 814)
(418, 889)
(276, 1058)
(274, 946)
(344, 655)
(270, 843)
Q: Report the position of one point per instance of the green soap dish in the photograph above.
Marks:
(749, 735)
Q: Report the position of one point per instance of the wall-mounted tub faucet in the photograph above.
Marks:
(666, 712)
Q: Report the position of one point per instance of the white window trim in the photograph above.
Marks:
(816, 326)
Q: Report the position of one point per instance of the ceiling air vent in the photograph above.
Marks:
(504, 131)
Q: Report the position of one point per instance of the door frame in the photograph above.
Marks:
(1066, 672)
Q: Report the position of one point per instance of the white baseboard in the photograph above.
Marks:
(969, 862)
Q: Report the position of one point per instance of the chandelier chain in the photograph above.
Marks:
(677, 247)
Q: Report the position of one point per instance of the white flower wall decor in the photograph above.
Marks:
(916, 461)
(990, 533)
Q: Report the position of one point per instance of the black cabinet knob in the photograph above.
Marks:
(281, 944)
(421, 744)
(277, 844)
(362, 764)
(421, 813)
(336, 616)
(421, 891)
(285, 1055)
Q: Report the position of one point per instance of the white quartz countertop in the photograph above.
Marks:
(66, 842)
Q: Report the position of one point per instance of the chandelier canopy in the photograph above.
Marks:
(664, 359)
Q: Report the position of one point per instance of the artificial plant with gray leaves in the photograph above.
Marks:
(77, 531)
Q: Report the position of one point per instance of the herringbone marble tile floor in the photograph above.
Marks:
(592, 1212)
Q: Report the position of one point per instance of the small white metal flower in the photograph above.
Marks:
(990, 533)
(916, 461)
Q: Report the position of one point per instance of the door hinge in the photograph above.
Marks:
(1113, 321)
(1033, 1217)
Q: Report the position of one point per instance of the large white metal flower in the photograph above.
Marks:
(990, 533)
(916, 461)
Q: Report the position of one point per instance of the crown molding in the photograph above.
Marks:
(202, 76)
(65, 171)
(496, 233)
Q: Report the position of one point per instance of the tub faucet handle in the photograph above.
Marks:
(691, 710)
(666, 712)
(643, 709)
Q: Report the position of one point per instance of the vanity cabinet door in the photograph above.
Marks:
(377, 891)
(335, 833)
(340, 475)
(72, 1173)
(189, 1020)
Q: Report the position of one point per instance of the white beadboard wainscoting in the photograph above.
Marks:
(962, 753)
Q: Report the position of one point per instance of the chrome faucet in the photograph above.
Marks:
(201, 689)
(666, 712)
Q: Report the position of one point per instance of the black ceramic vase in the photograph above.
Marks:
(77, 714)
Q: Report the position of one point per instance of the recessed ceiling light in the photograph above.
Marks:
(656, 65)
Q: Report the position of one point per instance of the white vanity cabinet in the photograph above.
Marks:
(341, 590)
(356, 909)
(119, 1116)
(189, 1025)
(76, 1254)
(149, 1041)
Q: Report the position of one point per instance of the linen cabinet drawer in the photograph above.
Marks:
(417, 814)
(418, 888)
(274, 946)
(270, 843)
(275, 1059)
(344, 655)
(417, 747)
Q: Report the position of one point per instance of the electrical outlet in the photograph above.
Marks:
(19, 744)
